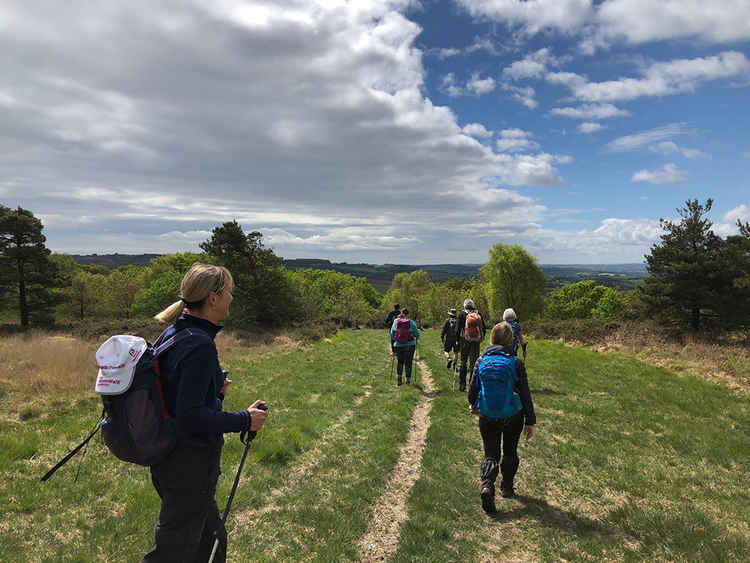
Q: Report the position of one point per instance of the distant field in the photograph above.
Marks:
(630, 462)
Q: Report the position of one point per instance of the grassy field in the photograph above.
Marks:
(630, 462)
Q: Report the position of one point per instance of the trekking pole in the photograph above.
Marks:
(247, 441)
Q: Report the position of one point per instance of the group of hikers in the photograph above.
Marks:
(192, 387)
(498, 394)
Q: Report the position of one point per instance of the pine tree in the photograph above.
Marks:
(25, 266)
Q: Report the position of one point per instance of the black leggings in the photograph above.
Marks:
(497, 431)
(405, 355)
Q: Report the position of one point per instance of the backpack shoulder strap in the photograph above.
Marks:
(162, 347)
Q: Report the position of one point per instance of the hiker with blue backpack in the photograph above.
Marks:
(404, 334)
(194, 386)
(509, 316)
(499, 394)
(471, 331)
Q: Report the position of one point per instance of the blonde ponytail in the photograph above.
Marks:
(198, 282)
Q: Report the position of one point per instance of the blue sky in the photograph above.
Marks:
(389, 131)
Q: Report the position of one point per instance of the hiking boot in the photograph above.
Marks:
(408, 380)
(450, 363)
(488, 499)
(398, 381)
(507, 491)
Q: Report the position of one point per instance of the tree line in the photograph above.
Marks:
(696, 280)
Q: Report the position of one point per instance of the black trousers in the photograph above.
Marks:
(497, 432)
(470, 353)
(189, 519)
(405, 356)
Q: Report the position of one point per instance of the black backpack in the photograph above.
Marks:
(453, 327)
(135, 424)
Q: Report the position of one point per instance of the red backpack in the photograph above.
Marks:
(403, 331)
(473, 327)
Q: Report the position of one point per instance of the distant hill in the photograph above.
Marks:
(618, 276)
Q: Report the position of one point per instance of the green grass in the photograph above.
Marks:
(629, 462)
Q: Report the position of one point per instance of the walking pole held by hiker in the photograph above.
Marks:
(245, 438)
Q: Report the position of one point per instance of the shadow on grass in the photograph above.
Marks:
(554, 517)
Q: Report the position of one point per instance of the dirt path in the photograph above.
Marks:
(380, 541)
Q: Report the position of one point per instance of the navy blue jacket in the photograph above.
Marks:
(192, 379)
(521, 387)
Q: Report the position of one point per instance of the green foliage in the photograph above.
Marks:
(262, 294)
(514, 280)
(409, 290)
(325, 294)
(163, 291)
(26, 270)
(697, 278)
(583, 300)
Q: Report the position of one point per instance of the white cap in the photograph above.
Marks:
(117, 359)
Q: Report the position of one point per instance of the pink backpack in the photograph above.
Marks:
(403, 331)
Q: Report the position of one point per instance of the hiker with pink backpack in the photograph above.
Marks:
(471, 331)
(404, 334)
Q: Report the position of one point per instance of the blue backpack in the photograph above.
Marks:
(497, 378)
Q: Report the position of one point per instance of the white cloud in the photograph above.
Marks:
(670, 147)
(590, 111)
(450, 87)
(602, 24)
(515, 140)
(590, 127)
(480, 85)
(660, 79)
(482, 44)
(534, 65)
(668, 174)
(728, 224)
(638, 140)
(526, 95)
(448, 52)
(628, 231)
(477, 130)
(532, 170)
(533, 15)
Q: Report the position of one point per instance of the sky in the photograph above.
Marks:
(384, 131)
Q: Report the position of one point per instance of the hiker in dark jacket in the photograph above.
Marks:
(194, 386)
(449, 337)
(405, 343)
(389, 322)
(509, 316)
(469, 348)
(499, 393)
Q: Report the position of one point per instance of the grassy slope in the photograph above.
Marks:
(629, 462)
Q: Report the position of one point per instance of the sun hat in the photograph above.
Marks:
(117, 359)
(452, 312)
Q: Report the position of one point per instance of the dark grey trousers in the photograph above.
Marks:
(189, 519)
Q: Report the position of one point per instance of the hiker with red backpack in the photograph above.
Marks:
(404, 334)
(499, 394)
(194, 386)
(471, 331)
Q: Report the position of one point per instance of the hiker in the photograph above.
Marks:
(449, 338)
(194, 387)
(389, 322)
(509, 316)
(499, 394)
(404, 334)
(471, 331)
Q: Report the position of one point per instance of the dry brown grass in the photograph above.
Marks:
(39, 363)
(727, 362)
